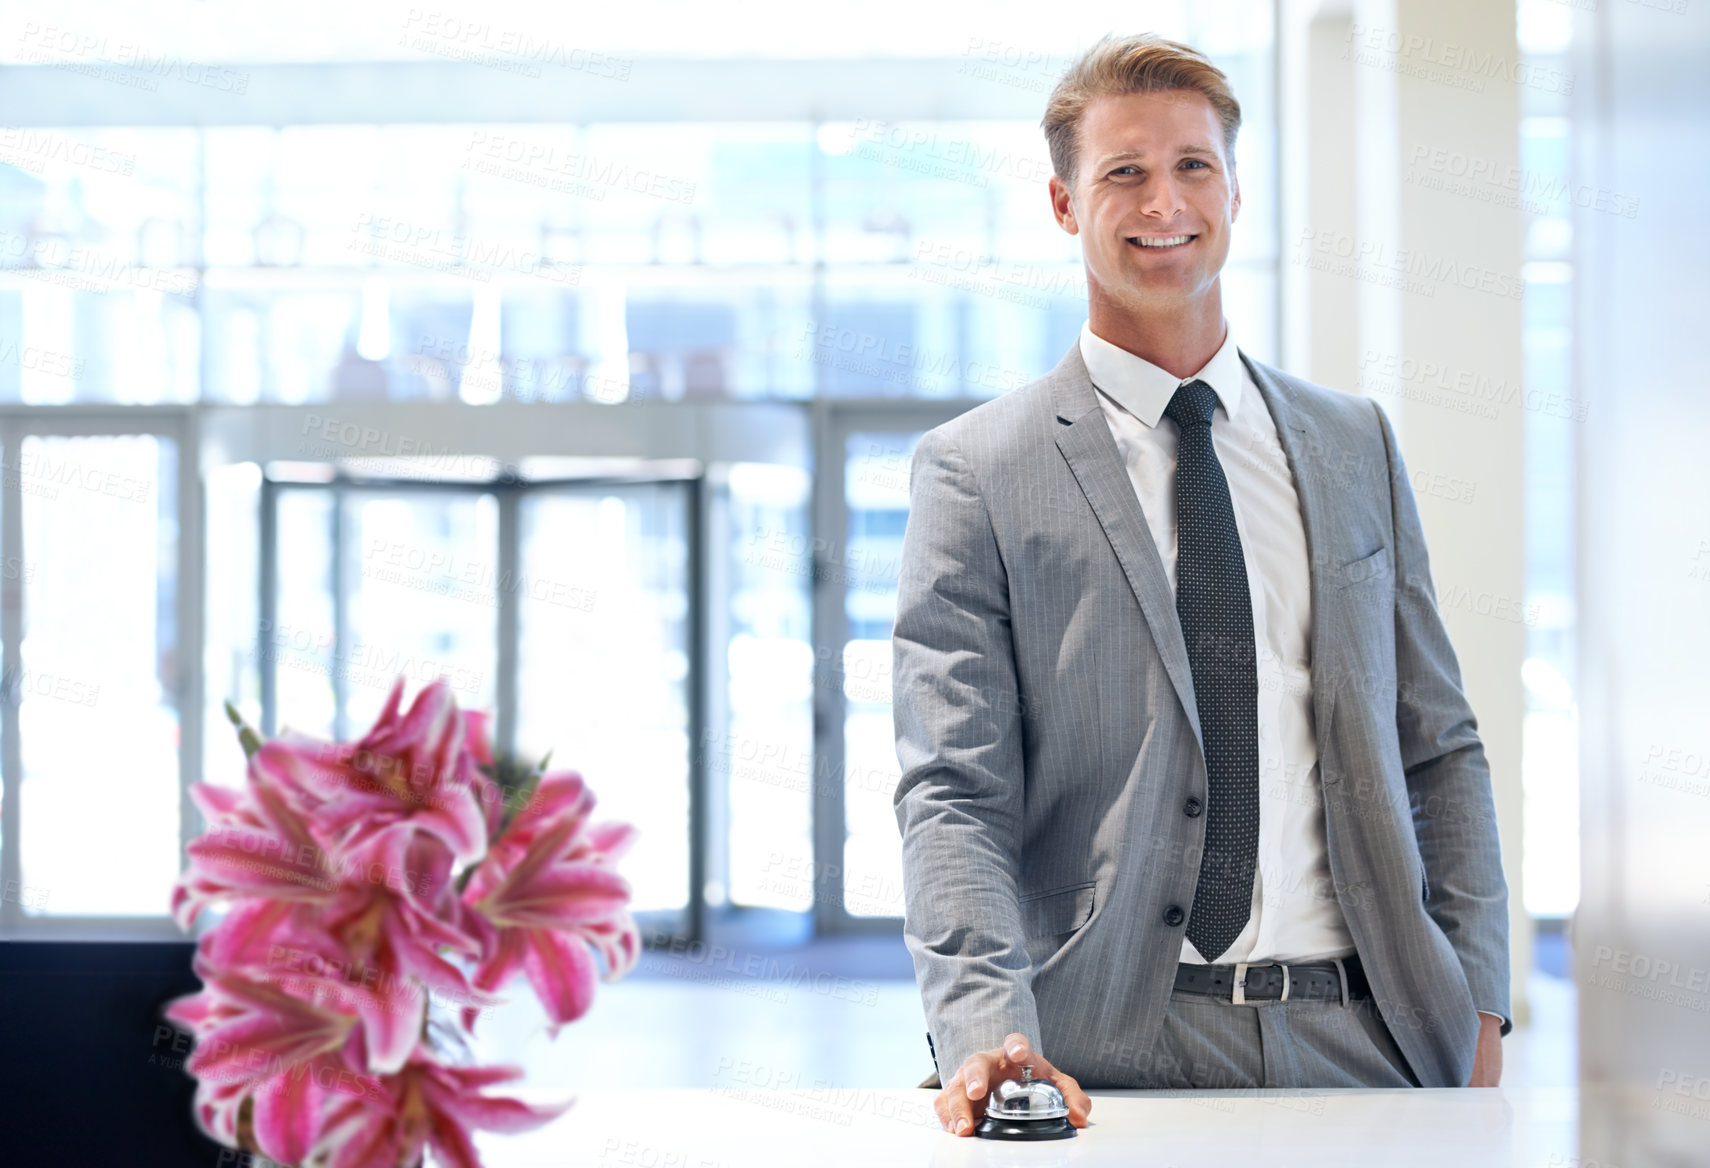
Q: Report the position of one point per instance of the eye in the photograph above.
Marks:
(1194, 162)
(1129, 169)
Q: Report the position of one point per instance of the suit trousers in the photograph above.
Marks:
(1207, 1043)
(1210, 1043)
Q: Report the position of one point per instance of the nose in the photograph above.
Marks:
(1161, 197)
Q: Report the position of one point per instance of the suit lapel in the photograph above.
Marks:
(1090, 450)
(1298, 434)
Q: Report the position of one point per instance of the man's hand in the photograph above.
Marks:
(1487, 1060)
(962, 1103)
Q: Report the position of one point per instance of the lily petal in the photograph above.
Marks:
(561, 970)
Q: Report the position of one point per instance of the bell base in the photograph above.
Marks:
(1025, 1129)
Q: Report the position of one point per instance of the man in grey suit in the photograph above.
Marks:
(1191, 795)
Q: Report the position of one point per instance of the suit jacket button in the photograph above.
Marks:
(1173, 915)
(1192, 808)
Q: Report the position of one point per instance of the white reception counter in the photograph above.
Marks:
(738, 1127)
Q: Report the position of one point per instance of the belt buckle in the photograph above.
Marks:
(1238, 996)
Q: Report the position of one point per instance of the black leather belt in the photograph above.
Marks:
(1243, 983)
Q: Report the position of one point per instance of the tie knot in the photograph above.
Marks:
(1192, 404)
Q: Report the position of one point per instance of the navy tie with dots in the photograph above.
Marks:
(1216, 612)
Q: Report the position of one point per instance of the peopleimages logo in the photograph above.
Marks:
(1462, 66)
(1641, 975)
(1469, 174)
(123, 62)
(1411, 269)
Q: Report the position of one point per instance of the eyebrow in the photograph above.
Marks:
(1193, 148)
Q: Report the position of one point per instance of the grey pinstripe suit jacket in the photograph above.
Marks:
(1047, 735)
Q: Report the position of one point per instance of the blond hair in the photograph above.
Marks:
(1141, 63)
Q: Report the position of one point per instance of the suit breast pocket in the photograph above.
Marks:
(1057, 910)
(1364, 596)
(1372, 570)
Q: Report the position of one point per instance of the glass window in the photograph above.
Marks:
(232, 601)
(299, 644)
(603, 662)
(98, 255)
(560, 262)
(876, 479)
(98, 690)
(422, 582)
(766, 757)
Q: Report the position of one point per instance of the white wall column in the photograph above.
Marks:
(1408, 292)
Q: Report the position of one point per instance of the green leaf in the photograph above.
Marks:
(246, 734)
(524, 792)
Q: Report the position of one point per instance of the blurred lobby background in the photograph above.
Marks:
(580, 359)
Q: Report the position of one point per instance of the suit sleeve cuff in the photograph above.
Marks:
(1506, 1024)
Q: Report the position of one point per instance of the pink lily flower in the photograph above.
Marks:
(428, 1104)
(256, 845)
(362, 879)
(366, 953)
(292, 1057)
(547, 898)
(475, 732)
(417, 772)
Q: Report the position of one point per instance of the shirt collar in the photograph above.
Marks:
(1144, 390)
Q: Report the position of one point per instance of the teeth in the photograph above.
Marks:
(1165, 241)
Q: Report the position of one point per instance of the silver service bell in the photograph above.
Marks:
(1026, 1109)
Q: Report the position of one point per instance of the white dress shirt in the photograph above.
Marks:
(1295, 915)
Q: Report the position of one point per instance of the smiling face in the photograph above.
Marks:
(1153, 201)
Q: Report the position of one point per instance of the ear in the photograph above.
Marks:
(1234, 196)
(1063, 205)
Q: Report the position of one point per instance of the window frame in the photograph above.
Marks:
(93, 420)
